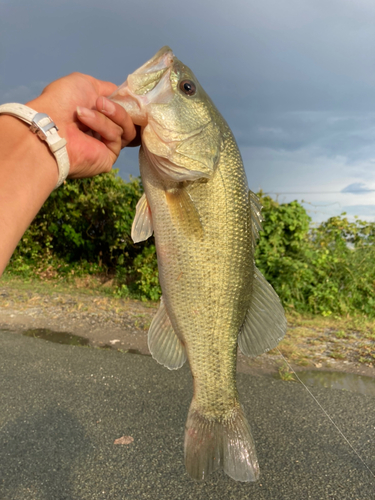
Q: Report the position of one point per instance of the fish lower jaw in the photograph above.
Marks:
(132, 104)
(140, 120)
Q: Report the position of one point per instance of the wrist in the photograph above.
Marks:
(28, 174)
(46, 129)
(20, 146)
(43, 104)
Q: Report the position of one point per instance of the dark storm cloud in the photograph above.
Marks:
(294, 78)
(334, 132)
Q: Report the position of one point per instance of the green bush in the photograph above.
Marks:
(347, 274)
(283, 249)
(141, 280)
(147, 276)
(86, 219)
(84, 228)
(325, 270)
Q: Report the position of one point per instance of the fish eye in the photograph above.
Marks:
(188, 87)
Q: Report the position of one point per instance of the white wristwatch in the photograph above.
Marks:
(43, 126)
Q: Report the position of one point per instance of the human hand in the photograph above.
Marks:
(77, 106)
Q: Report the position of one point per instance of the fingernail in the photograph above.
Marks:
(85, 112)
(108, 108)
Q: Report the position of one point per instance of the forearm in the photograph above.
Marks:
(28, 174)
(28, 170)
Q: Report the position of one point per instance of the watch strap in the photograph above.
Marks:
(43, 126)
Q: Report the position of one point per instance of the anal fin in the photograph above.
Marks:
(265, 323)
(142, 223)
(163, 343)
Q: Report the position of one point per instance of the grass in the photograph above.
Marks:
(337, 355)
(341, 334)
(312, 340)
(285, 373)
(89, 285)
(309, 340)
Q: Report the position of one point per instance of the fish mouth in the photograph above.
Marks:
(149, 83)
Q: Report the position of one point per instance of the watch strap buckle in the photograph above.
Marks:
(39, 128)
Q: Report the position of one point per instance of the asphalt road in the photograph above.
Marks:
(62, 408)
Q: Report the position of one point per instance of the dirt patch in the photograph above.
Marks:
(122, 325)
(105, 321)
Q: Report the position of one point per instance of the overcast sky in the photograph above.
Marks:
(294, 79)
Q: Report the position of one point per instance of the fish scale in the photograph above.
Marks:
(197, 204)
(216, 280)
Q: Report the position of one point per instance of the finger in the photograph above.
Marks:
(118, 115)
(90, 158)
(102, 87)
(110, 132)
(106, 88)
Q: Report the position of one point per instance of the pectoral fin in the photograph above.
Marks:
(142, 223)
(184, 213)
(163, 342)
(265, 323)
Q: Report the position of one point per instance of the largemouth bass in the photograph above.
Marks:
(205, 221)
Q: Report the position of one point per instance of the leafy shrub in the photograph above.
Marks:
(141, 280)
(327, 269)
(283, 250)
(147, 276)
(347, 253)
(85, 219)
(84, 228)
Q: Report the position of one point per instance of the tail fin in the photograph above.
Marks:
(210, 444)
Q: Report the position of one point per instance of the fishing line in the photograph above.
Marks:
(326, 414)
